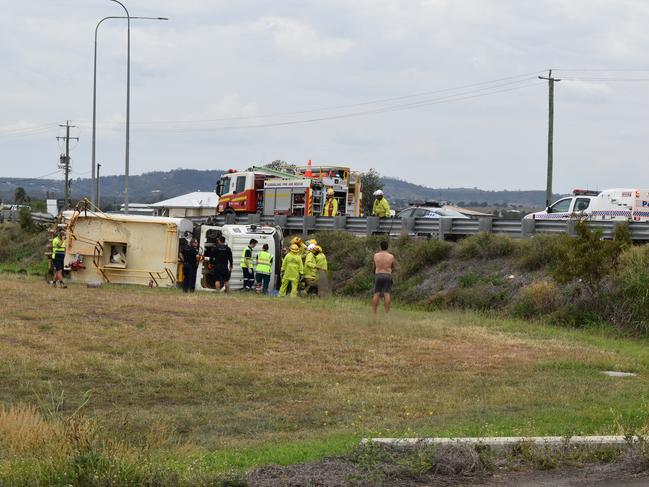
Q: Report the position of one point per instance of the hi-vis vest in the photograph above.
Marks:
(330, 207)
(246, 262)
(58, 246)
(264, 261)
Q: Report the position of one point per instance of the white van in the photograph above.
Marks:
(237, 238)
(620, 204)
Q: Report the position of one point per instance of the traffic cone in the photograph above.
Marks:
(308, 172)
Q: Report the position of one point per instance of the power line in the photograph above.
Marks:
(419, 104)
(607, 79)
(612, 70)
(338, 107)
(24, 180)
(27, 132)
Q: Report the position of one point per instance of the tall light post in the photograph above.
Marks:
(128, 100)
(94, 97)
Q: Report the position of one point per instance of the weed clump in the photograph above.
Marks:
(537, 299)
(485, 246)
(417, 255)
(541, 251)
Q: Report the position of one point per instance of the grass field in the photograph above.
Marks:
(213, 383)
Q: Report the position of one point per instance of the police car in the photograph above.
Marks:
(621, 204)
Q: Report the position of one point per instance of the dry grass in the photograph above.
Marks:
(171, 372)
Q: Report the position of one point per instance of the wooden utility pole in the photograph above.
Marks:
(548, 187)
(65, 162)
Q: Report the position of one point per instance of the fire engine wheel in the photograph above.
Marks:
(228, 211)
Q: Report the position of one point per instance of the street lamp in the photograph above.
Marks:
(128, 92)
(94, 97)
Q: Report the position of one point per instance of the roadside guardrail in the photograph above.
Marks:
(443, 228)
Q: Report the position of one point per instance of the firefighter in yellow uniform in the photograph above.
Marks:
(381, 207)
(311, 271)
(320, 260)
(292, 270)
(330, 207)
(300, 244)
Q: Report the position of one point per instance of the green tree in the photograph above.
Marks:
(589, 258)
(370, 181)
(280, 165)
(20, 197)
(25, 220)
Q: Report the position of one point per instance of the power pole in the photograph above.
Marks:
(548, 188)
(65, 162)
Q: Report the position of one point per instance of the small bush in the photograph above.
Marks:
(481, 297)
(629, 306)
(417, 255)
(469, 279)
(541, 251)
(25, 220)
(537, 299)
(485, 246)
(588, 258)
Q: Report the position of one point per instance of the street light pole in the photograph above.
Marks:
(128, 102)
(94, 196)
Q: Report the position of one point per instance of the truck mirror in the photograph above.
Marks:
(219, 187)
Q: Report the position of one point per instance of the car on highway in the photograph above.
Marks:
(430, 212)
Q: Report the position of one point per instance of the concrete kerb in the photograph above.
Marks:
(507, 441)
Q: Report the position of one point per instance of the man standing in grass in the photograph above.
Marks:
(384, 265)
(58, 257)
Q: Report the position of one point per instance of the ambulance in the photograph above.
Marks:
(619, 204)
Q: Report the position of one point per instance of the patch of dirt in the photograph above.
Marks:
(339, 472)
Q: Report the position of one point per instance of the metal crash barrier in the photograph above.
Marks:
(443, 228)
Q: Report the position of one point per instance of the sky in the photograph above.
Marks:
(443, 93)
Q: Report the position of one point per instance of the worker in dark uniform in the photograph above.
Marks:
(222, 261)
(189, 254)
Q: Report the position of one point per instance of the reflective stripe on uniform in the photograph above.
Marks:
(246, 261)
(58, 246)
(264, 262)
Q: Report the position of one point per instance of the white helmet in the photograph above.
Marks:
(378, 192)
(311, 247)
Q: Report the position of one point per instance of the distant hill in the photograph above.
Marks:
(144, 188)
(156, 186)
(403, 192)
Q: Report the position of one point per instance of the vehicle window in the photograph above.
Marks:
(420, 213)
(561, 206)
(581, 204)
(225, 185)
(241, 184)
(406, 213)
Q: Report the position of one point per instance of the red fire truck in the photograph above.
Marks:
(302, 193)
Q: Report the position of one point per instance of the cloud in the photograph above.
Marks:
(299, 37)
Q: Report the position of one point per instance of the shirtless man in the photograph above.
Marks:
(384, 265)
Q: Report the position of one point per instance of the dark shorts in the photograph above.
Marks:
(221, 274)
(58, 261)
(383, 283)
